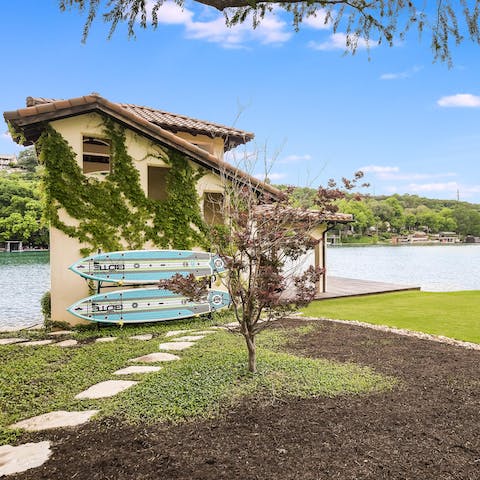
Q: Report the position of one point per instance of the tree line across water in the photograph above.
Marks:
(383, 216)
(375, 216)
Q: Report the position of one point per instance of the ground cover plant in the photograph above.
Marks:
(427, 427)
(209, 376)
(452, 314)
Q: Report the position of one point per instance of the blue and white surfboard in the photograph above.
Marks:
(138, 305)
(147, 266)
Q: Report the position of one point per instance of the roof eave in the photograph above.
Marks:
(32, 120)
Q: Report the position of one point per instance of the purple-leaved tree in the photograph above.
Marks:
(261, 244)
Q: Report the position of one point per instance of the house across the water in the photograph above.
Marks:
(78, 138)
(7, 161)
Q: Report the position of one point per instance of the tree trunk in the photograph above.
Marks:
(252, 352)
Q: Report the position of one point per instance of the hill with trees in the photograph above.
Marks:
(20, 205)
(401, 214)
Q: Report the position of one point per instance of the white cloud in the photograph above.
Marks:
(414, 176)
(433, 187)
(393, 173)
(271, 30)
(271, 176)
(172, 14)
(295, 158)
(379, 169)
(460, 100)
(393, 76)
(7, 145)
(319, 21)
(400, 75)
(339, 41)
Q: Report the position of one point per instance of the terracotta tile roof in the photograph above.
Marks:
(31, 121)
(174, 122)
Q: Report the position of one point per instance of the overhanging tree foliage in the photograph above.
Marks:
(377, 21)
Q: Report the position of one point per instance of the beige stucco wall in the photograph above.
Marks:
(314, 258)
(214, 146)
(66, 286)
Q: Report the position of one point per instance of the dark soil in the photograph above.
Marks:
(426, 428)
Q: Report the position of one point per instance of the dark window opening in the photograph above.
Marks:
(213, 208)
(157, 183)
(96, 155)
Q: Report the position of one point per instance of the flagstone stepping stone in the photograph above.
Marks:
(65, 343)
(21, 458)
(60, 332)
(175, 345)
(105, 339)
(9, 341)
(156, 357)
(188, 338)
(232, 324)
(137, 369)
(203, 332)
(58, 419)
(147, 336)
(173, 333)
(105, 389)
(35, 343)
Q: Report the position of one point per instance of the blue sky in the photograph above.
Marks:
(412, 125)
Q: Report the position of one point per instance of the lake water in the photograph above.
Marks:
(25, 276)
(435, 268)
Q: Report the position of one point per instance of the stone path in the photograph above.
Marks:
(65, 343)
(188, 338)
(145, 337)
(35, 343)
(155, 357)
(105, 389)
(30, 455)
(137, 369)
(174, 333)
(175, 345)
(60, 333)
(21, 458)
(9, 341)
(55, 420)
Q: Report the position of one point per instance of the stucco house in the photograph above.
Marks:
(102, 158)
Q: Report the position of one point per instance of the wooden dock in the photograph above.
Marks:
(351, 287)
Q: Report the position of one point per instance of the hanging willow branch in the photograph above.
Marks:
(376, 21)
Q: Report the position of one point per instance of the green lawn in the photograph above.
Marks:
(452, 314)
(209, 376)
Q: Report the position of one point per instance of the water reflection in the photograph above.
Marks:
(24, 278)
(433, 267)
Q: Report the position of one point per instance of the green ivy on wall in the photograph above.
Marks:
(114, 213)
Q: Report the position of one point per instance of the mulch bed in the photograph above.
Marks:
(426, 428)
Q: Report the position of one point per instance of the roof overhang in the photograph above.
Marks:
(31, 122)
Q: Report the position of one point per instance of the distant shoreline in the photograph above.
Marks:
(388, 244)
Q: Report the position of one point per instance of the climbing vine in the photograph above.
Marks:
(114, 212)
